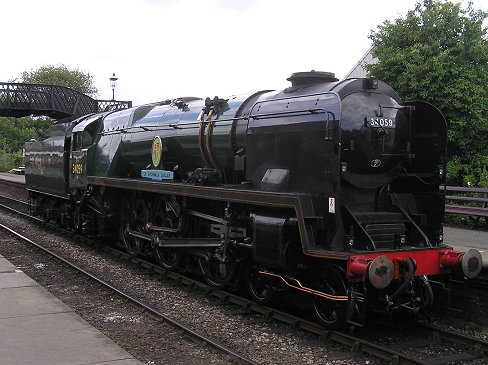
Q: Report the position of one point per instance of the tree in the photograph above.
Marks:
(62, 76)
(439, 53)
(15, 132)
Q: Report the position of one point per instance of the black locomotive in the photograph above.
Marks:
(329, 188)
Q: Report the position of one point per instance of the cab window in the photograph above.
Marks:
(86, 138)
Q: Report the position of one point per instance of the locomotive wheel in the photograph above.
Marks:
(260, 287)
(135, 215)
(168, 258)
(164, 217)
(331, 314)
(214, 272)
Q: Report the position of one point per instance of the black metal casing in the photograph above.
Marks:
(343, 177)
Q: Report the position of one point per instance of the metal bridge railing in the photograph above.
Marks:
(108, 105)
(19, 99)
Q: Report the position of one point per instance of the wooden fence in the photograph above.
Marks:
(472, 202)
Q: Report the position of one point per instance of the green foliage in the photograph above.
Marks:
(474, 173)
(62, 76)
(439, 53)
(10, 161)
(15, 132)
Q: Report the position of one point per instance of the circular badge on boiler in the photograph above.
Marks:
(157, 151)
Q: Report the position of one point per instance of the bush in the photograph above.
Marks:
(472, 173)
(9, 161)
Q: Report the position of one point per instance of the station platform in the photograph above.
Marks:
(19, 179)
(462, 239)
(36, 328)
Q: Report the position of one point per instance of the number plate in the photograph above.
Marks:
(380, 122)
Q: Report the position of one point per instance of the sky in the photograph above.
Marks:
(164, 49)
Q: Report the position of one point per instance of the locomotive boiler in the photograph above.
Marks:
(328, 188)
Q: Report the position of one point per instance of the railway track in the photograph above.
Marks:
(185, 331)
(472, 349)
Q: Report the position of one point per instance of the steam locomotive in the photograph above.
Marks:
(328, 188)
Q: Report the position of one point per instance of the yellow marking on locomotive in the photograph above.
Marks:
(77, 168)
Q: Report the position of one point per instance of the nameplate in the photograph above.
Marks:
(158, 175)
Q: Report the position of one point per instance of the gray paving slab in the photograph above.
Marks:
(61, 338)
(37, 328)
(29, 301)
(15, 279)
(6, 266)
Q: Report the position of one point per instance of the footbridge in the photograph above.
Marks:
(19, 100)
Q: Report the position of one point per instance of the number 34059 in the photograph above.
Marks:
(378, 122)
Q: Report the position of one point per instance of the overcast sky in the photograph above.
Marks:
(162, 49)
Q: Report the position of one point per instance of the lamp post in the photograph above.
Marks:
(113, 82)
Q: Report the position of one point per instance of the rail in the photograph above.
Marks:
(472, 202)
